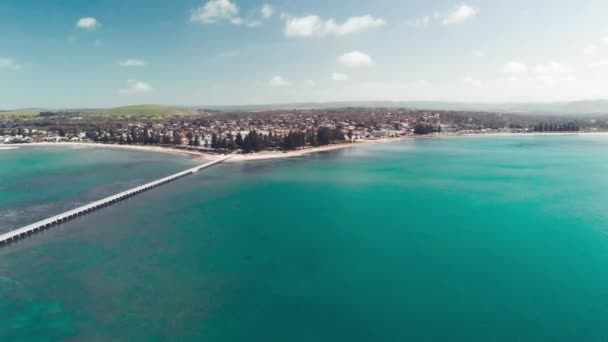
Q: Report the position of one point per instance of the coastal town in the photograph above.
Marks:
(272, 130)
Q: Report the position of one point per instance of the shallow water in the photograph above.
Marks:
(476, 239)
(38, 182)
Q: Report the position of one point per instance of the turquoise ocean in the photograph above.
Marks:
(449, 239)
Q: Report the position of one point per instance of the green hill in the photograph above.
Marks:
(135, 111)
(147, 110)
(19, 113)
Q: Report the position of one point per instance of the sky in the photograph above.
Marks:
(104, 53)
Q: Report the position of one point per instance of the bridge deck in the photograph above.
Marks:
(71, 214)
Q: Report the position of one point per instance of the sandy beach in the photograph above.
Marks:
(213, 156)
(207, 156)
(281, 154)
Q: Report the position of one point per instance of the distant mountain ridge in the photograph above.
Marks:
(133, 111)
(552, 108)
(583, 107)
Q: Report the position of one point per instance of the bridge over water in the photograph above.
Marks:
(28, 230)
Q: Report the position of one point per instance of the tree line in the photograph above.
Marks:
(556, 127)
(251, 142)
(422, 128)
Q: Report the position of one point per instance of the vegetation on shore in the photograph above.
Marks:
(252, 142)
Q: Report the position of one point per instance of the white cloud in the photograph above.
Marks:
(310, 83)
(471, 81)
(131, 62)
(590, 49)
(358, 24)
(8, 63)
(339, 77)
(419, 22)
(551, 68)
(355, 59)
(88, 23)
(215, 11)
(278, 81)
(459, 15)
(308, 26)
(314, 26)
(245, 22)
(267, 11)
(136, 87)
(514, 67)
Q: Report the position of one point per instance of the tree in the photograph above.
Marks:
(247, 147)
(133, 135)
(177, 140)
(253, 142)
(146, 137)
(422, 128)
(190, 138)
(239, 140)
(214, 141)
(337, 135)
(324, 136)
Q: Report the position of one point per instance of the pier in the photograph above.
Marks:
(33, 228)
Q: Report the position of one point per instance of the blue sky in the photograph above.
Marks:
(113, 52)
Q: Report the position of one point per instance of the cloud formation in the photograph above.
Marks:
(131, 62)
(355, 59)
(88, 23)
(514, 67)
(215, 11)
(314, 26)
(8, 63)
(136, 87)
(267, 11)
(551, 68)
(459, 15)
(339, 77)
(278, 81)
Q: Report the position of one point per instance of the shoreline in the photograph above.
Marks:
(265, 155)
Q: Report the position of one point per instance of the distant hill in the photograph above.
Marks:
(586, 107)
(135, 111)
(19, 112)
(146, 110)
(547, 108)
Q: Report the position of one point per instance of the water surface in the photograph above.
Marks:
(463, 239)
